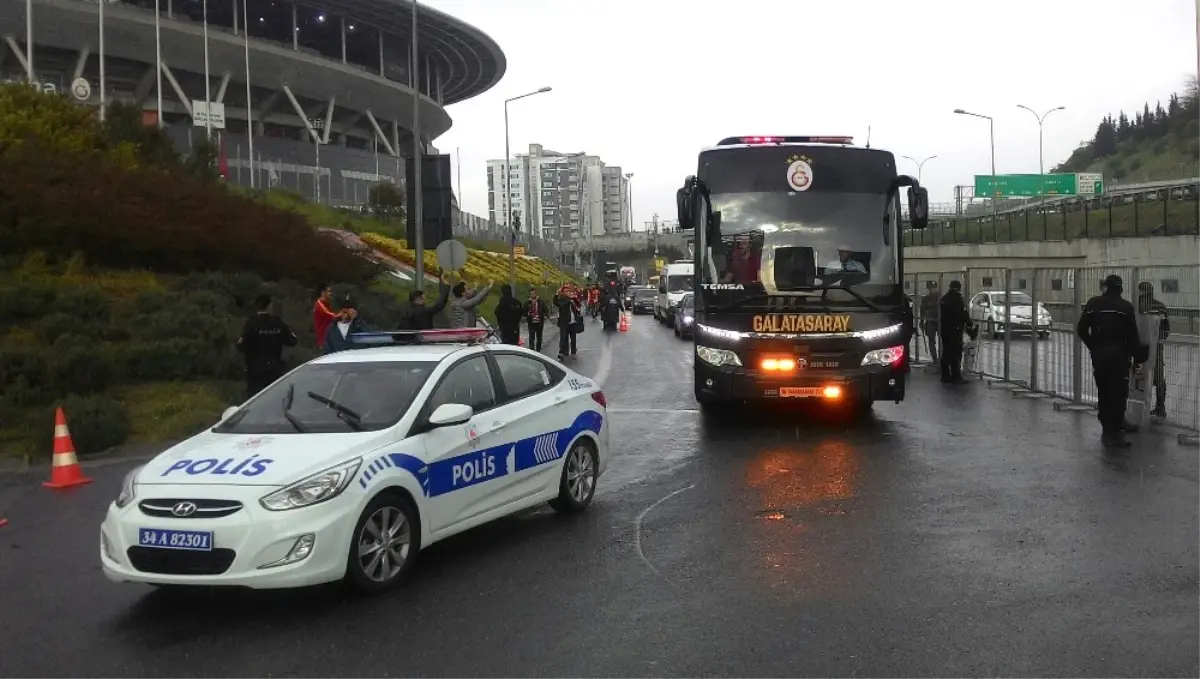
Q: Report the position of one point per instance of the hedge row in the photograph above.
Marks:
(66, 186)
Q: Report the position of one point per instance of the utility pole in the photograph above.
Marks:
(655, 223)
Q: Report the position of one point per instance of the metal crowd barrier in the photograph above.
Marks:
(1055, 363)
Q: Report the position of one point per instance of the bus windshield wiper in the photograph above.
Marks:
(345, 414)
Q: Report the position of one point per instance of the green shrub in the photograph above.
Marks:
(96, 423)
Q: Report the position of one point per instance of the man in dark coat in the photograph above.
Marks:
(419, 315)
(263, 339)
(536, 312)
(929, 319)
(952, 322)
(508, 316)
(1108, 328)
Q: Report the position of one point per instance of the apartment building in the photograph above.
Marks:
(559, 195)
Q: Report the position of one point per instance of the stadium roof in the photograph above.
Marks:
(474, 61)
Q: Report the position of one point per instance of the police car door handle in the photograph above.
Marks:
(498, 425)
(560, 399)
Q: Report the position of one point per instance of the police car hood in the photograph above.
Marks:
(256, 460)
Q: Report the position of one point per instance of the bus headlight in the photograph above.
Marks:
(717, 357)
(884, 356)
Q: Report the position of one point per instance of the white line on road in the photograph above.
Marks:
(637, 531)
(605, 365)
(652, 411)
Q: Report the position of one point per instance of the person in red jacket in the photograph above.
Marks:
(323, 314)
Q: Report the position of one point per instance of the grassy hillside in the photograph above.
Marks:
(126, 273)
(1159, 142)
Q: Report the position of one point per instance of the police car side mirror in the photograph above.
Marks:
(229, 412)
(451, 413)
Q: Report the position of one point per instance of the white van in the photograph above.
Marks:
(676, 280)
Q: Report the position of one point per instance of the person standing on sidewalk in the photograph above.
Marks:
(929, 319)
(263, 339)
(462, 305)
(323, 314)
(953, 321)
(508, 316)
(1148, 305)
(418, 315)
(536, 312)
(570, 319)
(1108, 328)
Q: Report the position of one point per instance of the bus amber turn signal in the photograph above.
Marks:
(784, 365)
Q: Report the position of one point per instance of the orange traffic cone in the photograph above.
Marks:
(3, 523)
(623, 326)
(65, 471)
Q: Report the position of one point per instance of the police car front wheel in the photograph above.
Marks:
(578, 483)
(386, 541)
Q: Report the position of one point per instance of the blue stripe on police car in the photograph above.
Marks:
(475, 467)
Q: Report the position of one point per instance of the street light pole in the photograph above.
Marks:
(1040, 118)
(992, 137)
(512, 234)
(920, 164)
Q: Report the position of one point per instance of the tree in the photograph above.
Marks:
(123, 127)
(202, 162)
(386, 200)
(27, 114)
(1105, 143)
(1123, 130)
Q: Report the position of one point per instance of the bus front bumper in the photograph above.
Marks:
(735, 383)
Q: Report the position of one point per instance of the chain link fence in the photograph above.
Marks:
(1027, 317)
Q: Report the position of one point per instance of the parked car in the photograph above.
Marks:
(987, 310)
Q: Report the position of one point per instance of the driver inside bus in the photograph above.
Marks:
(743, 264)
(845, 262)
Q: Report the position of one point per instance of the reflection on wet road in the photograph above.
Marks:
(962, 532)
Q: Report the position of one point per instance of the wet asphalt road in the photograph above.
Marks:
(996, 541)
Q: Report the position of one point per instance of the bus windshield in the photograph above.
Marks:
(794, 218)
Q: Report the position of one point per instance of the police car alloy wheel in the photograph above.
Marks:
(386, 540)
(578, 483)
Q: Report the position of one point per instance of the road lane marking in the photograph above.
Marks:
(605, 365)
(637, 531)
(652, 411)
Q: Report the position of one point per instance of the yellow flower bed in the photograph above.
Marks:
(481, 266)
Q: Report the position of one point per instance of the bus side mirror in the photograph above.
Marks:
(918, 207)
(684, 207)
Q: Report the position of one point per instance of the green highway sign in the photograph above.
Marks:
(1030, 185)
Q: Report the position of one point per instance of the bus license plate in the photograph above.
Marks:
(799, 392)
(191, 540)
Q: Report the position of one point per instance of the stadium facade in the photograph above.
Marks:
(330, 103)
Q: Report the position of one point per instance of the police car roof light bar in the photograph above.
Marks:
(411, 337)
(760, 140)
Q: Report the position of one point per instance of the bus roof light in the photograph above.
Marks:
(763, 139)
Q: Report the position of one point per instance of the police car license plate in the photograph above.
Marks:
(191, 540)
(799, 392)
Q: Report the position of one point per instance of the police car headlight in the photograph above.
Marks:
(315, 489)
(717, 357)
(129, 487)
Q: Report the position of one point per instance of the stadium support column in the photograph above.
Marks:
(249, 106)
(418, 213)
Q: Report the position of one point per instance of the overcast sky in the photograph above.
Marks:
(645, 84)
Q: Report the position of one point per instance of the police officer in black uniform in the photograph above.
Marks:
(263, 339)
(953, 320)
(1108, 328)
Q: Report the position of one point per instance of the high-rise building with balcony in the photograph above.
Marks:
(559, 196)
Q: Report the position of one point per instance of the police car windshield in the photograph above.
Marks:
(378, 392)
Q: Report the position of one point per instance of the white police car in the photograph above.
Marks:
(351, 464)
